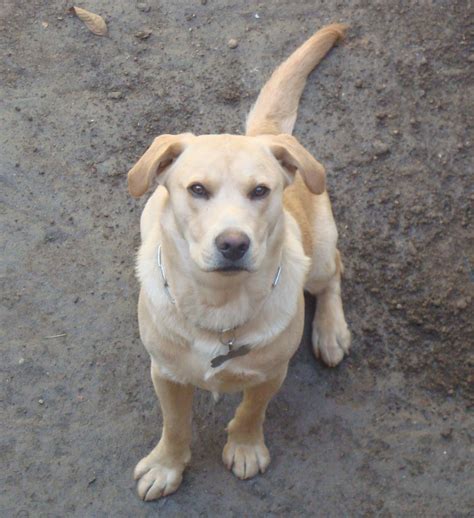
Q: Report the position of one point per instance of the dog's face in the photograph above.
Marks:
(226, 192)
(226, 197)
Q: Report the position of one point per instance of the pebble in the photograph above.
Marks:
(21, 361)
(461, 303)
(359, 83)
(380, 148)
(41, 401)
(144, 34)
(142, 6)
(232, 43)
(447, 433)
(471, 58)
(114, 95)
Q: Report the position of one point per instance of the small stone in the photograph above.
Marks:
(21, 361)
(367, 327)
(41, 401)
(471, 58)
(447, 433)
(144, 34)
(380, 148)
(412, 248)
(461, 303)
(142, 6)
(232, 43)
(381, 115)
(359, 83)
(114, 95)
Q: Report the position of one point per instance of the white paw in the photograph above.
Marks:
(330, 344)
(245, 460)
(155, 479)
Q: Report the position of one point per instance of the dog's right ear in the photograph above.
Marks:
(158, 157)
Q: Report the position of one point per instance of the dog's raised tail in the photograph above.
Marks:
(277, 104)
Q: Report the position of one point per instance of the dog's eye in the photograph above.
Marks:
(259, 192)
(198, 190)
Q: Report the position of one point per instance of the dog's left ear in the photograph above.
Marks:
(294, 157)
(158, 157)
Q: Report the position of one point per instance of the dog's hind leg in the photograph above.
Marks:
(331, 337)
(245, 452)
(160, 473)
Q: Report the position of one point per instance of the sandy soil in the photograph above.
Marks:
(385, 434)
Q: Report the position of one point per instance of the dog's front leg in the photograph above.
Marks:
(161, 471)
(245, 452)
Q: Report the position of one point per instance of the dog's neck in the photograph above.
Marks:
(214, 300)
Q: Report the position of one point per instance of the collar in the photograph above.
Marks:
(227, 336)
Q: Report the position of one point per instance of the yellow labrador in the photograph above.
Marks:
(237, 229)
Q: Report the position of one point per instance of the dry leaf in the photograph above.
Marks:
(92, 21)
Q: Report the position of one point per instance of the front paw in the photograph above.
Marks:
(331, 343)
(157, 477)
(246, 459)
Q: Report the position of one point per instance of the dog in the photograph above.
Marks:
(238, 227)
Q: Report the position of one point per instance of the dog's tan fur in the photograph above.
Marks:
(292, 227)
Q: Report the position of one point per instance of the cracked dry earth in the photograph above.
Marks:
(388, 432)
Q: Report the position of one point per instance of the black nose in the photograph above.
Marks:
(232, 244)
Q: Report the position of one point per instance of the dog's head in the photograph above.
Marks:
(225, 191)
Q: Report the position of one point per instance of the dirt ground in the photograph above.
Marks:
(385, 434)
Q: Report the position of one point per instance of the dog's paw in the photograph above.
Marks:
(330, 344)
(155, 479)
(245, 460)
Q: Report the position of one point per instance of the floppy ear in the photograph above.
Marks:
(294, 157)
(164, 150)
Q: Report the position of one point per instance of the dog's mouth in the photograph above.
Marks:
(230, 269)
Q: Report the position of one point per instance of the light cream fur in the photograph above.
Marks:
(292, 227)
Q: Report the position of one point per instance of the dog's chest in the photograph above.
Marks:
(184, 358)
(193, 365)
